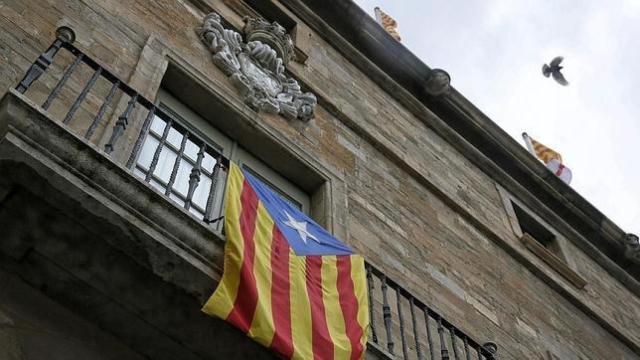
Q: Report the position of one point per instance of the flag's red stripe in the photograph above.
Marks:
(280, 295)
(321, 341)
(349, 305)
(247, 296)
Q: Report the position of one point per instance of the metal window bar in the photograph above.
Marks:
(156, 154)
(176, 164)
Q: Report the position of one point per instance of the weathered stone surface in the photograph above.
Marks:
(415, 206)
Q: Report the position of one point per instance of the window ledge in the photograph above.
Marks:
(553, 261)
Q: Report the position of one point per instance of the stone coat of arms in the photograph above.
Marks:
(256, 66)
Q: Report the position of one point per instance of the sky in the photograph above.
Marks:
(494, 51)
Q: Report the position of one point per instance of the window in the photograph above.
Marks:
(537, 231)
(541, 240)
(172, 151)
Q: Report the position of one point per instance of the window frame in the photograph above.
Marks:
(554, 255)
(188, 121)
(203, 92)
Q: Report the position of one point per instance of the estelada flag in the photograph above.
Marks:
(287, 283)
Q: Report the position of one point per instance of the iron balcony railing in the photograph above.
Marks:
(422, 332)
(64, 40)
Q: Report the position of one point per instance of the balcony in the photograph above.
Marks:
(104, 236)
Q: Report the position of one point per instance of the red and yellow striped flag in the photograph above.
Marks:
(388, 23)
(551, 158)
(542, 151)
(288, 283)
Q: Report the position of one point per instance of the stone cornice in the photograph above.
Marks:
(365, 44)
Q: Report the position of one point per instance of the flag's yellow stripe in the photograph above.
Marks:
(333, 310)
(262, 328)
(300, 308)
(221, 302)
(359, 277)
(544, 152)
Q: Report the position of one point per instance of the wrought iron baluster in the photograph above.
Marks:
(444, 353)
(176, 164)
(143, 134)
(194, 177)
(415, 328)
(386, 314)
(466, 348)
(371, 288)
(403, 339)
(103, 109)
(452, 332)
(121, 125)
(63, 35)
(156, 154)
(429, 338)
(478, 349)
(63, 80)
(83, 94)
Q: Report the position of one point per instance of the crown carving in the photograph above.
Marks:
(272, 34)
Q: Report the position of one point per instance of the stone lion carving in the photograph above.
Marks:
(256, 66)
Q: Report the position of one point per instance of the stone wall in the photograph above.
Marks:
(416, 208)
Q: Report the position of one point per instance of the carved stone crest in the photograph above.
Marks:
(256, 65)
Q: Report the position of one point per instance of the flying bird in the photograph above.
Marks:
(553, 69)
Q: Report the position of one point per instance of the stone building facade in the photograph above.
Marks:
(108, 248)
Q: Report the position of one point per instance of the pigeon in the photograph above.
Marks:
(553, 69)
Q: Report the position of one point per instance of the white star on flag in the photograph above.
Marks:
(301, 228)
